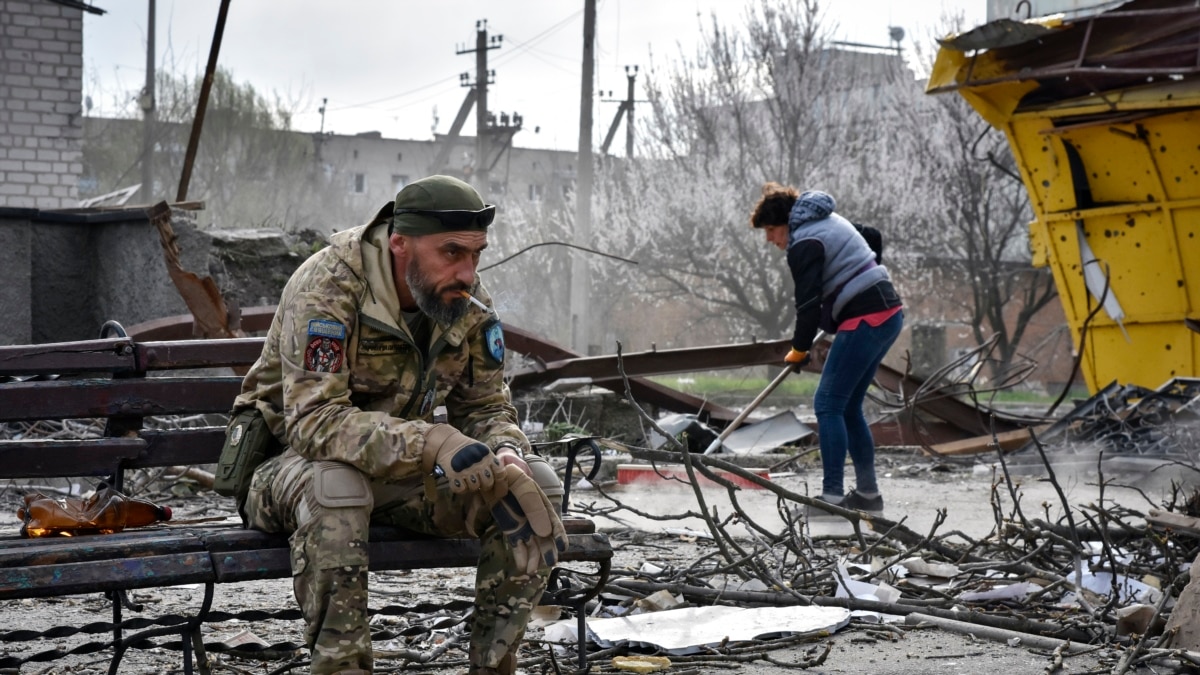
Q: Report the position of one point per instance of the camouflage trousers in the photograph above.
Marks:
(327, 507)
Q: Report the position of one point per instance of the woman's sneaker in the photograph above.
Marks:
(811, 512)
(856, 502)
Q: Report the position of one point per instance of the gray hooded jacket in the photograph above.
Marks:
(831, 263)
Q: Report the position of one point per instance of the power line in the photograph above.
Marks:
(452, 80)
(444, 80)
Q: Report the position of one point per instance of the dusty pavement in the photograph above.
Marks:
(912, 487)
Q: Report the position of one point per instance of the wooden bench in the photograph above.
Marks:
(110, 379)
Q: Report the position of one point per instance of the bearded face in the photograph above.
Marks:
(430, 298)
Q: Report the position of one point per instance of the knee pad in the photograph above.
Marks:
(547, 479)
(334, 517)
(338, 485)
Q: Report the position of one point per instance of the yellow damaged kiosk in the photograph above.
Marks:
(1102, 112)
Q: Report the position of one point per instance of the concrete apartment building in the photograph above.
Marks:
(374, 168)
(41, 77)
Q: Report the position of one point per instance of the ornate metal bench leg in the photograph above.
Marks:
(202, 661)
(559, 592)
(581, 631)
(572, 457)
(190, 634)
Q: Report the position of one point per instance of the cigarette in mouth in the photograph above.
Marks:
(474, 300)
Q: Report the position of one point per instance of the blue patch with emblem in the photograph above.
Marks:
(324, 352)
(493, 337)
(326, 328)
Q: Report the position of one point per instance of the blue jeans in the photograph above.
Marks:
(848, 371)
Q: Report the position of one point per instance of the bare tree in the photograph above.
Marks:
(767, 101)
(774, 100)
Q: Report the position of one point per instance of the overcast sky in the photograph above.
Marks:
(391, 65)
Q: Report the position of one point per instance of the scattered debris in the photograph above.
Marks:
(768, 435)
(1123, 423)
(688, 630)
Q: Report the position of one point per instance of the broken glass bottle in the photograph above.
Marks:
(104, 512)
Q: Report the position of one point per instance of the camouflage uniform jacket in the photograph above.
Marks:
(342, 378)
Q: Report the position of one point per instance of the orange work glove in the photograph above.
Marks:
(797, 358)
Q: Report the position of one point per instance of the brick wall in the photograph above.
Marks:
(41, 77)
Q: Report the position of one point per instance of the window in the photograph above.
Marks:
(399, 181)
(535, 192)
(360, 183)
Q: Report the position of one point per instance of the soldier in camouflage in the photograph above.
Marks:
(371, 335)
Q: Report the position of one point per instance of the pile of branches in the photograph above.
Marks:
(1050, 556)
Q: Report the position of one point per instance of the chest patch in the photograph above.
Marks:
(325, 352)
(493, 336)
(380, 347)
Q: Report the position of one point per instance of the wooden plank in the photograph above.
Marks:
(114, 355)
(978, 445)
(233, 538)
(67, 458)
(33, 568)
(123, 355)
(592, 547)
(273, 563)
(71, 399)
(65, 550)
(179, 447)
(98, 576)
(199, 353)
(1166, 520)
(36, 458)
(131, 535)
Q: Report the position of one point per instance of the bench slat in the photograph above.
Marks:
(73, 399)
(49, 567)
(180, 447)
(199, 353)
(64, 550)
(35, 458)
(123, 355)
(274, 563)
(90, 356)
(107, 575)
(67, 458)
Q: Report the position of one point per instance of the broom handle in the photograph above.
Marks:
(741, 417)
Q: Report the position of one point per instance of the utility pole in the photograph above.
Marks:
(482, 79)
(625, 109)
(146, 102)
(632, 77)
(581, 278)
(319, 142)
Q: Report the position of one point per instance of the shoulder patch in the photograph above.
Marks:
(327, 328)
(493, 337)
(324, 352)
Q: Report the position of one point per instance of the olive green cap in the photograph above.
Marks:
(437, 193)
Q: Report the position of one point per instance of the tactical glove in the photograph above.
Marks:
(528, 520)
(469, 466)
